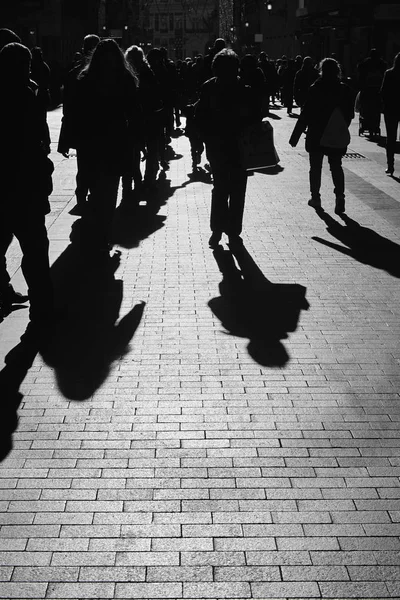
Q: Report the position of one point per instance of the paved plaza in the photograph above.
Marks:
(211, 424)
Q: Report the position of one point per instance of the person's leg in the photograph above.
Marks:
(391, 123)
(30, 230)
(219, 194)
(150, 174)
(82, 178)
(238, 183)
(335, 165)
(103, 196)
(316, 159)
(137, 173)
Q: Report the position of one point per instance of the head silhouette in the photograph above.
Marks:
(7, 37)
(225, 66)
(330, 69)
(15, 63)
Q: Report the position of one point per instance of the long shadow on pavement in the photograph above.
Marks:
(251, 306)
(87, 337)
(361, 243)
(18, 362)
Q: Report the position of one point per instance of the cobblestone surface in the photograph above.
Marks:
(214, 425)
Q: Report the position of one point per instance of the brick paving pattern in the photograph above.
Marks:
(214, 425)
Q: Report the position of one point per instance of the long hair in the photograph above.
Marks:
(396, 62)
(104, 49)
(134, 55)
(330, 70)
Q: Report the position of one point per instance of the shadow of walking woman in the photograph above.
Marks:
(253, 307)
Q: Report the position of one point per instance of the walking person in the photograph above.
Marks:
(66, 140)
(26, 183)
(303, 80)
(390, 94)
(103, 119)
(225, 108)
(326, 115)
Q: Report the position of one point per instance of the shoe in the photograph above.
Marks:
(315, 203)
(215, 239)
(79, 209)
(10, 296)
(389, 171)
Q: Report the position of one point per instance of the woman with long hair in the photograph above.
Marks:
(326, 115)
(390, 93)
(105, 119)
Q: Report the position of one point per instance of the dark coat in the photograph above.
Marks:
(323, 98)
(103, 123)
(223, 112)
(303, 80)
(26, 170)
(390, 92)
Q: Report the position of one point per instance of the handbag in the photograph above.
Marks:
(256, 145)
(336, 133)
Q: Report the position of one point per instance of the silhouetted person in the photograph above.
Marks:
(150, 100)
(287, 74)
(326, 115)
(271, 80)
(219, 45)
(303, 80)
(371, 72)
(26, 181)
(40, 73)
(192, 132)
(8, 296)
(252, 75)
(390, 94)
(65, 141)
(225, 108)
(103, 120)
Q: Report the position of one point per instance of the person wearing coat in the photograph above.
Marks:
(326, 116)
(225, 108)
(303, 80)
(26, 183)
(104, 117)
(390, 94)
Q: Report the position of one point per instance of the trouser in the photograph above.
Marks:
(391, 122)
(30, 230)
(82, 177)
(103, 189)
(229, 190)
(196, 149)
(133, 172)
(335, 165)
(152, 154)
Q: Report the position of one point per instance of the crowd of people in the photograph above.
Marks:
(122, 108)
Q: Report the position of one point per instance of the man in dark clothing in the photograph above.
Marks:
(225, 108)
(26, 181)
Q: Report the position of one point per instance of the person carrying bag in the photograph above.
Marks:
(326, 116)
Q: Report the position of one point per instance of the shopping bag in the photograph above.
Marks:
(257, 147)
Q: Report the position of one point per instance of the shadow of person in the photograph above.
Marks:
(361, 243)
(18, 362)
(132, 225)
(251, 306)
(88, 336)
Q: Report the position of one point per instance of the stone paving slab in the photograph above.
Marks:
(213, 425)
